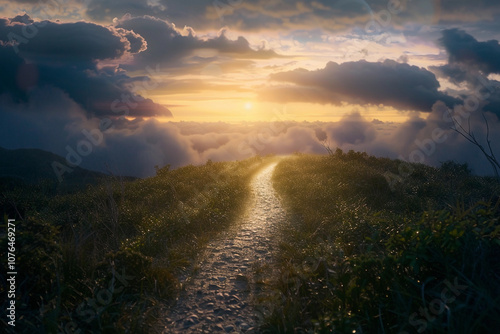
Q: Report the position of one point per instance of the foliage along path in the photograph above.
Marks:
(219, 298)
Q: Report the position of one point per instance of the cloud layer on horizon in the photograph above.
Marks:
(135, 147)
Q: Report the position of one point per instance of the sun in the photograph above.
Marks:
(248, 106)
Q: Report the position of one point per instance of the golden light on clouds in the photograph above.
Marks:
(336, 69)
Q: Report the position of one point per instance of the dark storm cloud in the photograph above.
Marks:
(464, 49)
(66, 56)
(22, 19)
(389, 83)
(453, 72)
(127, 148)
(78, 44)
(470, 62)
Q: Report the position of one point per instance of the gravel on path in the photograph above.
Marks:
(220, 296)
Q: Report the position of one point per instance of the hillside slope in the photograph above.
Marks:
(364, 255)
(32, 166)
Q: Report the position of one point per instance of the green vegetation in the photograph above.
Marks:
(359, 257)
(356, 255)
(108, 258)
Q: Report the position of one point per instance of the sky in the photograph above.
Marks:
(127, 85)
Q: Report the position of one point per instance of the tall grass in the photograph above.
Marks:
(108, 259)
(360, 257)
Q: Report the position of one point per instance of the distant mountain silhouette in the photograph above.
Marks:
(32, 166)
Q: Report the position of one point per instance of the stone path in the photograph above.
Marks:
(219, 298)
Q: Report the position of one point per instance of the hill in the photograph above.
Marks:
(368, 246)
(147, 233)
(33, 166)
(374, 245)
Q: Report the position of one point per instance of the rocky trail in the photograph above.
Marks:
(220, 296)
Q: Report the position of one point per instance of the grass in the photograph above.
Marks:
(109, 258)
(360, 257)
(358, 254)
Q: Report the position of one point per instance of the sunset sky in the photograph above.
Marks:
(195, 79)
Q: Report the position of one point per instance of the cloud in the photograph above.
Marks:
(456, 74)
(351, 129)
(210, 140)
(464, 49)
(134, 147)
(39, 122)
(457, 11)
(106, 10)
(261, 15)
(389, 83)
(84, 43)
(431, 141)
(170, 47)
(68, 77)
(264, 15)
(127, 147)
(70, 56)
(332, 16)
(470, 62)
(136, 151)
